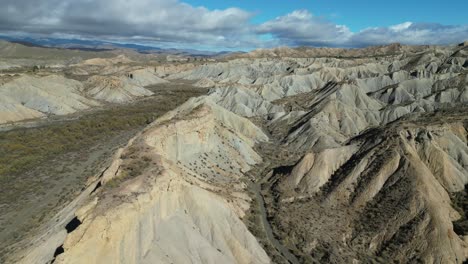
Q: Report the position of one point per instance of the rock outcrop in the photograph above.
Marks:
(186, 200)
(360, 156)
(114, 89)
(405, 172)
(371, 145)
(30, 97)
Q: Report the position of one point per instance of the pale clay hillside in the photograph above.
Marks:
(292, 156)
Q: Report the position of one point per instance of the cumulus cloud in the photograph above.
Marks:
(175, 23)
(411, 33)
(302, 28)
(161, 20)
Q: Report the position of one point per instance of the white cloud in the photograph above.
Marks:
(302, 28)
(400, 27)
(166, 20)
(175, 23)
(412, 34)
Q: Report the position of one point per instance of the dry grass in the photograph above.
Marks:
(44, 167)
(25, 148)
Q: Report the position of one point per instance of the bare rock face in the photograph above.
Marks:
(206, 83)
(115, 89)
(145, 77)
(11, 110)
(325, 155)
(175, 210)
(390, 192)
(31, 97)
(244, 102)
(107, 61)
(380, 147)
(122, 85)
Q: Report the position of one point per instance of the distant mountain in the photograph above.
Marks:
(97, 45)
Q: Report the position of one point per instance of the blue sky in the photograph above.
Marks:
(241, 24)
(356, 14)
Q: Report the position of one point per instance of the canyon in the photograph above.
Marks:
(286, 155)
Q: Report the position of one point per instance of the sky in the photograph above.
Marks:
(240, 24)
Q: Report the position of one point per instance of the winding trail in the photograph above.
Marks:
(273, 156)
(267, 227)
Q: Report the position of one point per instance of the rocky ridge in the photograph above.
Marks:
(351, 140)
(28, 96)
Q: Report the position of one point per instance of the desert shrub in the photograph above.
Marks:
(23, 149)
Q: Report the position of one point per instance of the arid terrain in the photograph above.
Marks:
(286, 155)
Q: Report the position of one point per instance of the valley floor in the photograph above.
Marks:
(287, 227)
(46, 163)
(347, 156)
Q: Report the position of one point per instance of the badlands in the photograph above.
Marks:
(305, 155)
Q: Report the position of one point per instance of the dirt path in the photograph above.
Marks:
(255, 187)
(273, 156)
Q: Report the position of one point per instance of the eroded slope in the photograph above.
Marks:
(356, 157)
